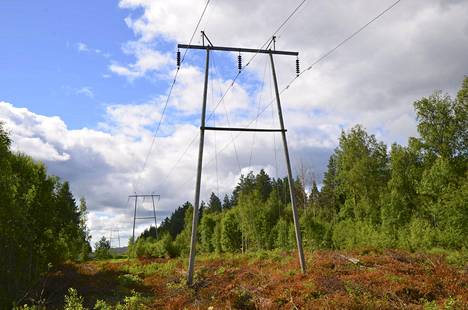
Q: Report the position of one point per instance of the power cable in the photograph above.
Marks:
(213, 68)
(355, 33)
(170, 92)
(321, 58)
(267, 44)
(258, 110)
(328, 53)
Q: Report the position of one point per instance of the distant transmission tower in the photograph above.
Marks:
(113, 237)
(136, 196)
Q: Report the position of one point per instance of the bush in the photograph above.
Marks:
(150, 247)
(421, 235)
(230, 232)
(282, 234)
(102, 249)
(73, 301)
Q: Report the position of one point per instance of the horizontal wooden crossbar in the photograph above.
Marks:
(145, 218)
(237, 49)
(133, 196)
(243, 129)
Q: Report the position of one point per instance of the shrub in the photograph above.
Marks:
(102, 249)
(73, 301)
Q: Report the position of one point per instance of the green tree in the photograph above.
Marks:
(176, 222)
(227, 203)
(401, 199)
(330, 200)
(263, 185)
(362, 173)
(443, 125)
(282, 229)
(207, 230)
(39, 222)
(231, 235)
(84, 230)
(102, 248)
(214, 204)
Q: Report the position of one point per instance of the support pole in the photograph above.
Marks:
(288, 164)
(134, 218)
(193, 241)
(155, 222)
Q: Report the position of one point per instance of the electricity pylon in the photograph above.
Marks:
(208, 48)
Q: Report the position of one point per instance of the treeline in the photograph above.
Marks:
(413, 197)
(40, 223)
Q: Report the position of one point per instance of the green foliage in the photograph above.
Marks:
(85, 249)
(315, 232)
(102, 248)
(231, 236)
(442, 124)
(134, 302)
(175, 223)
(361, 172)
(102, 305)
(214, 204)
(129, 280)
(40, 223)
(282, 229)
(413, 197)
(151, 247)
(73, 301)
(207, 229)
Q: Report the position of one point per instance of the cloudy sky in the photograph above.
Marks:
(83, 85)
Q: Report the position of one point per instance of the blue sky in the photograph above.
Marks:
(48, 74)
(59, 54)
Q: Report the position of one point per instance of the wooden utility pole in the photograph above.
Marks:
(270, 52)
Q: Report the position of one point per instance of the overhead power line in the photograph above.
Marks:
(351, 36)
(267, 44)
(321, 58)
(171, 89)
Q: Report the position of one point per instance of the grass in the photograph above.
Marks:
(388, 279)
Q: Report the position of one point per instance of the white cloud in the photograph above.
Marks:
(86, 91)
(147, 61)
(82, 47)
(122, 70)
(406, 54)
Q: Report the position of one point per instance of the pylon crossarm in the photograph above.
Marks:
(237, 49)
(244, 129)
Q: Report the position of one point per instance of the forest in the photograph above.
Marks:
(41, 223)
(411, 197)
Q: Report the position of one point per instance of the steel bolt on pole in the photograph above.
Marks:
(193, 241)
